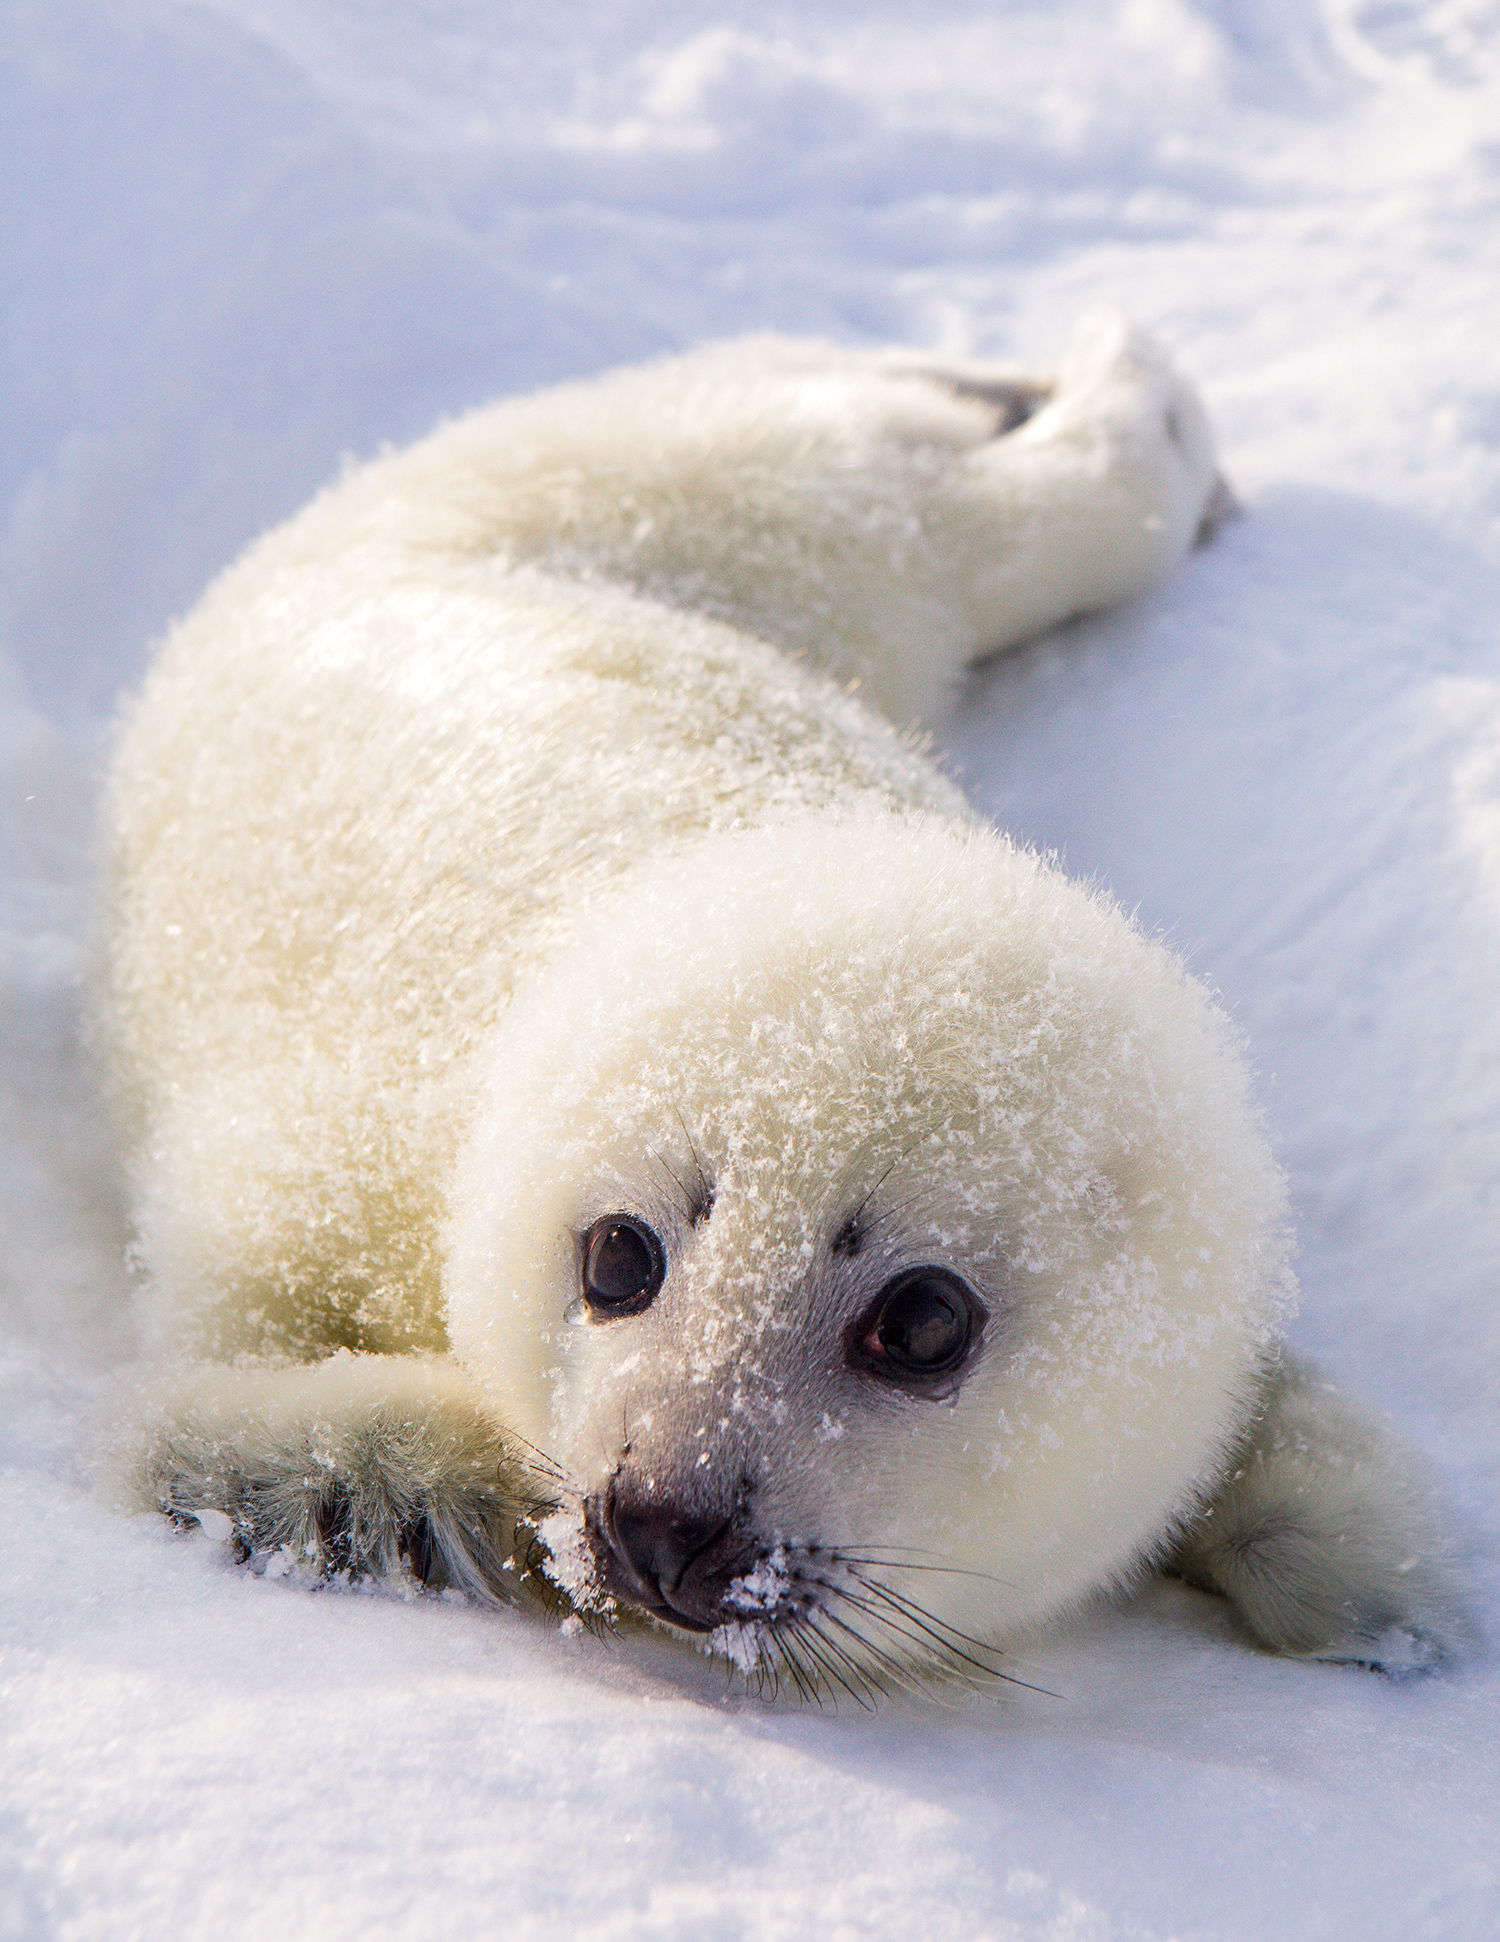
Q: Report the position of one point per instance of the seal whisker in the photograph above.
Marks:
(689, 1200)
(917, 1627)
(537, 1459)
(700, 1203)
(919, 1614)
(806, 1683)
(772, 1663)
(894, 1625)
(823, 1674)
(829, 1653)
(938, 1628)
(906, 1678)
(896, 1563)
(856, 1217)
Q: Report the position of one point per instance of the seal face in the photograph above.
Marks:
(705, 1567)
(599, 1103)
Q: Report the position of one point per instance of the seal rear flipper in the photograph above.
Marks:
(1328, 1536)
(374, 1466)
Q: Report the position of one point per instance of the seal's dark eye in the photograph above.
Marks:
(623, 1266)
(921, 1325)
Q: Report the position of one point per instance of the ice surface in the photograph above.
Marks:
(246, 237)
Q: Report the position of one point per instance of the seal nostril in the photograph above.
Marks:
(658, 1543)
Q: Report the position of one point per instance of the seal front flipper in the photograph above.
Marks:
(365, 1464)
(1328, 1537)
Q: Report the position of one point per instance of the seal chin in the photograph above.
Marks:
(666, 1614)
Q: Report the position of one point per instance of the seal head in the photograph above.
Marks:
(866, 1203)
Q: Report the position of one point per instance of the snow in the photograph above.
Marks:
(246, 237)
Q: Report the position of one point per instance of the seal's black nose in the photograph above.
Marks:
(659, 1544)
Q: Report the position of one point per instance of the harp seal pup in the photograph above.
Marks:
(605, 1115)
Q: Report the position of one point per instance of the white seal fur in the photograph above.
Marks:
(516, 901)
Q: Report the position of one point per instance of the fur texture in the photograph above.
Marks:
(1328, 1535)
(505, 860)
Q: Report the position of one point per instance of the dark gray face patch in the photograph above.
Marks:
(689, 1511)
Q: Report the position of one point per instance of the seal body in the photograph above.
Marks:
(587, 1072)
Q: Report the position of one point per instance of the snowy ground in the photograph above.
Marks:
(242, 238)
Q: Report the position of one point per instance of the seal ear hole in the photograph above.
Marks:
(622, 1268)
(920, 1330)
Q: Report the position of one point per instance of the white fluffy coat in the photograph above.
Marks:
(507, 841)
